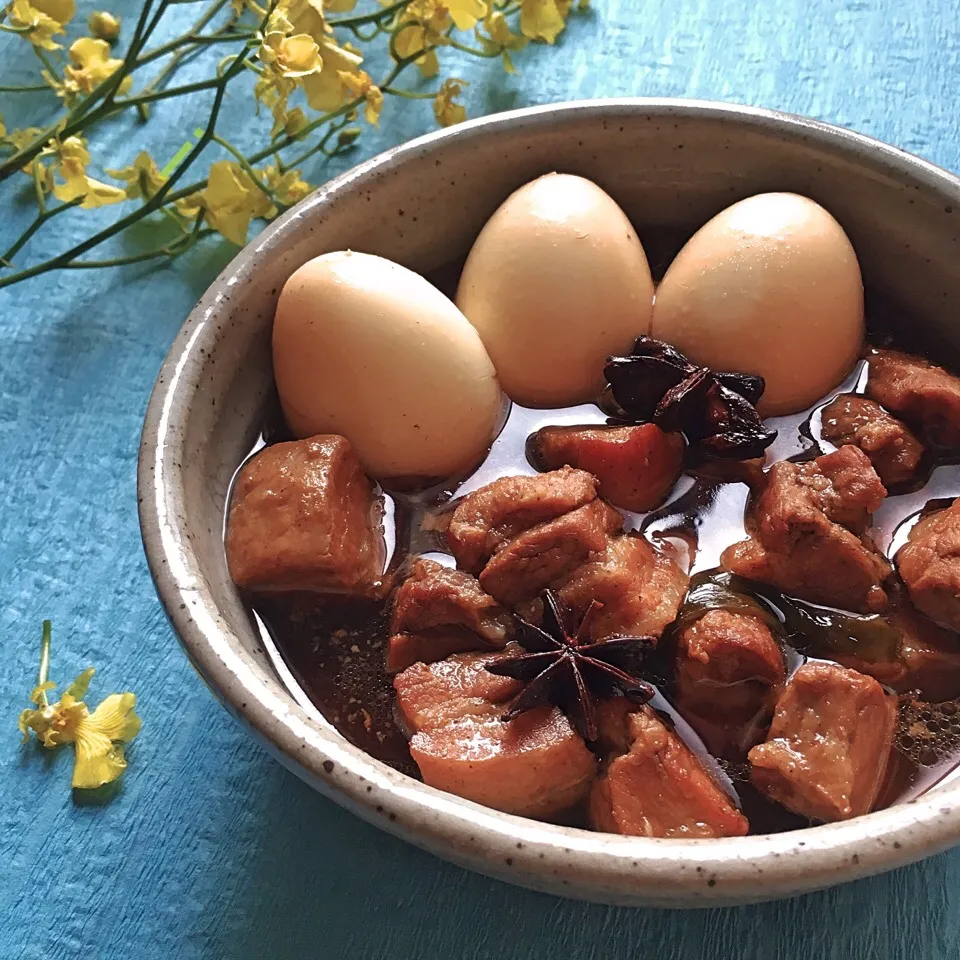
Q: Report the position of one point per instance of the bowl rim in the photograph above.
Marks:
(564, 860)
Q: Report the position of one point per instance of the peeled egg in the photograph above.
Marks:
(770, 286)
(555, 283)
(370, 350)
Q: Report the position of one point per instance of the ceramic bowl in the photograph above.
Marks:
(671, 165)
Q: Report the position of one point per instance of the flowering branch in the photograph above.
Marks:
(312, 85)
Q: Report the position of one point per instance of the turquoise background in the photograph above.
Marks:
(212, 850)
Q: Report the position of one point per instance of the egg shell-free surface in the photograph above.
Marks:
(769, 286)
(368, 349)
(556, 282)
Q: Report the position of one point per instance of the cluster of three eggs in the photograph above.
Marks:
(555, 283)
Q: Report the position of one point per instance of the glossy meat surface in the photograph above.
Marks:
(547, 553)
(729, 672)
(635, 466)
(534, 765)
(491, 516)
(640, 587)
(929, 564)
(659, 788)
(829, 744)
(304, 516)
(806, 528)
(925, 395)
(892, 448)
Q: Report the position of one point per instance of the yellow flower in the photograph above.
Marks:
(90, 65)
(325, 90)
(444, 109)
(293, 57)
(359, 84)
(423, 25)
(42, 19)
(97, 737)
(465, 13)
(287, 187)
(70, 164)
(294, 121)
(104, 25)
(500, 37)
(143, 178)
(230, 201)
(543, 19)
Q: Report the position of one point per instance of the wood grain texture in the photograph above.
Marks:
(212, 850)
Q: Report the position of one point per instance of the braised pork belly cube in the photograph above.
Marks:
(534, 765)
(548, 552)
(437, 596)
(929, 658)
(438, 611)
(304, 516)
(806, 532)
(829, 744)
(730, 672)
(923, 394)
(491, 516)
(658, 787)
(640, 587)
(929, 563)
(635, 467)
(893, 450)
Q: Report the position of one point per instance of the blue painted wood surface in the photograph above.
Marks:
(212, 850)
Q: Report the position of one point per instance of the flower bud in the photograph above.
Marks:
(104, 25)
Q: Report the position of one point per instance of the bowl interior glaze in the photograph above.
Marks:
(671, 165)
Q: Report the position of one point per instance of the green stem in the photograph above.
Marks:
(245, 166)
(6, 28)
(38, 222)
(177, 42)
(36, 88)
(48, 64)
(168, 250)
(163, 195)
(44, 672)
(408, 94)
(473, 51)
(376, 17)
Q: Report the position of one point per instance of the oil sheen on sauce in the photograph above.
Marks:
(330, 652)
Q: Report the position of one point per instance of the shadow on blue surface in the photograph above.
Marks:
(341, 871)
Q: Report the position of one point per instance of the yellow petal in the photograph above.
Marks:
(62, 11)
(115, 717)
(339, 6)
(466, 13)
(104, 25)
(97, 760)
(78, 689)
(541, 20)
(299, 56)
(429, 64)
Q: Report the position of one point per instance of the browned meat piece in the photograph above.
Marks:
(923, 394)
(429, 695)
(801, 527)
(660, 789)
(304, 516)
(930, 658)
(533, 766)
(436, 596)
(406, 649)
(829, 744)
(636, 467)
(489, 517)
(544, 554)
(640, 588)
(893, 450)
(929, 563)
(730, 671)
(438, 611)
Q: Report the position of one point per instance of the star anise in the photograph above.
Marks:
(564, 670)
(714, 410)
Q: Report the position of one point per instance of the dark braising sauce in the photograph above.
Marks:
(334, 649)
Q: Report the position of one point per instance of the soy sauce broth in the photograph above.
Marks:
(334, 648)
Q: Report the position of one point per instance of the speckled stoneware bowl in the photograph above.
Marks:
(671, 165)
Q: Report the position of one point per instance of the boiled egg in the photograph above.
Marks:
(556, 282)
(769, 286)
(368, 349)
